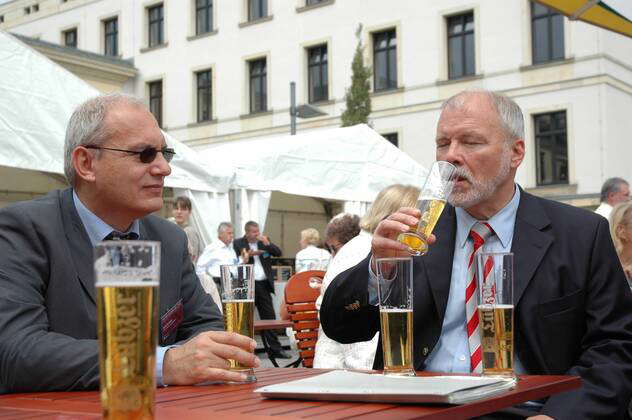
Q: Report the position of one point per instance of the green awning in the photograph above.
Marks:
(614, 15)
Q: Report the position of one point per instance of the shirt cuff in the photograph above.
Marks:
(372, 287)
(160, 358)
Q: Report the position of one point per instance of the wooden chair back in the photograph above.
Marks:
(301, 305)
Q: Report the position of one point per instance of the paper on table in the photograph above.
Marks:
(340, 385)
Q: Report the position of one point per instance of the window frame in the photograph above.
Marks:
(158, 97)
(201, 90)
(391, 79)
(208, 10)
(259, 6)
(388, 136)
(549, 16)
(462, 35)
(551, 133)
(110, 35)
(159, 21)
(322, 67)
(262, 79)
(67, 32)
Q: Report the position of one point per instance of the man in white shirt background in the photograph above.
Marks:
(614, 191)
(218, 253)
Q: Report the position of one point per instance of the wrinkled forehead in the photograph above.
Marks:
(133, 126)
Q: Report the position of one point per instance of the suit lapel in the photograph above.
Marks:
(530, 241)
(438, 260)
(81, 250)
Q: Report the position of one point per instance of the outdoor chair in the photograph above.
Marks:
(301, 305)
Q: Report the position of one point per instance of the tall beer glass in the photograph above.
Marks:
(495, 312)
(432, 198)
(238, 303)
(127, 277)
(395, 291)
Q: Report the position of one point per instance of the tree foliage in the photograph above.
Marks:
(357, 96)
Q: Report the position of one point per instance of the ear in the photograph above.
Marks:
(83, 161)
(517, 153)
(619, 231)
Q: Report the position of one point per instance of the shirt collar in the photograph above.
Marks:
(502, 222)
(96, 228)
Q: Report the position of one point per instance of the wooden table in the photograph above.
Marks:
(272, 324)
(240, 402)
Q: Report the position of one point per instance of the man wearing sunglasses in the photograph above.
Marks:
(116, 160)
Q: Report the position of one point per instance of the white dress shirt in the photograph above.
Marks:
(604, 209)
(312, 258)
(260, 273)
(215, 254)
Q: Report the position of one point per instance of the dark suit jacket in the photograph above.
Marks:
(572, 305)
(48, 326)
(266, 259)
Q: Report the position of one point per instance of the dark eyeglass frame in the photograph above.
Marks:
(147, 155)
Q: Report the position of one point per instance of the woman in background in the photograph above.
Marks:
(310, 257)
(330, 353)
(621, 232)
(181, 215)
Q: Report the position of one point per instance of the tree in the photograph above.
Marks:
(357, 96)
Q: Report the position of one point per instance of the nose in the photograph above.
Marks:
(160, 166)
(451, 154)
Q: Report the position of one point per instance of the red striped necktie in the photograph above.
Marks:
(480, 232)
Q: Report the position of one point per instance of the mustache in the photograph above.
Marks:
(462, 172)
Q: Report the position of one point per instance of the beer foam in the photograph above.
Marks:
(393, 310)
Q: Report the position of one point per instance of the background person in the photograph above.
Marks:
(331, 354)
(255, 248)
(614, 191)
(572, 312)
(116, 160)
(310, 256)
(621, 231)
(340, 230)
(181, 215)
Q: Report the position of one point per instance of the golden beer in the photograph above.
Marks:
(497, 339)
(416, 238)
(239, 318)
(397, 336)
(127, 323)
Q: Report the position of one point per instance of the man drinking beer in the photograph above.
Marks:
(116, 160)
(571, 299)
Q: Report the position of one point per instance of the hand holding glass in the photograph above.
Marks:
(432, 198)
(495, 311)
(395, 292)
(127, 276)
(238, 302)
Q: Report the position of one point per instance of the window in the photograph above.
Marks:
(257, 9)
(204, 96)
(27, 10)
(35, 8)
(203, 16)
(385, 60)
(393, 138)
(110, 37)
(155, 100)
(547, 34)
(1, 18)
(312, 2)
(461, 46)
(317, 74)
(258, 88)
(70, 38)
(551, 148)
(156, 25)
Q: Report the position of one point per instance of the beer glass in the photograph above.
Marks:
(127, 277)
(432, 198)
(238, 304)
(395, 292)
(494, 274)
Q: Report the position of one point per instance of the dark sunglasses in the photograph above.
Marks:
(147, 155)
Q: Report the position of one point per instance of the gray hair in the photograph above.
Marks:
(509, 113)
(223, 226)
(86, 126)
(612, 185)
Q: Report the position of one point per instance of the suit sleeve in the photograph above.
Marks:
(32, 358)
(200, 311)
(345, 313)
(605, 362)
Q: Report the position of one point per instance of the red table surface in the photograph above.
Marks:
(240, 402)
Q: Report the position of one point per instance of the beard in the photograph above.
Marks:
(480, 189)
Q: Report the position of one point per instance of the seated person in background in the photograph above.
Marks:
(310, 257)
(572, 303)
(181, 215)
(621, 232)
(332, 354)
(116, 160)
(340, 230)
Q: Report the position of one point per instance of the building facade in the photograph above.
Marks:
(219, 70)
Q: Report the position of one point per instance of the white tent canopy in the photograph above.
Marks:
(350, 164)
(37, 98)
